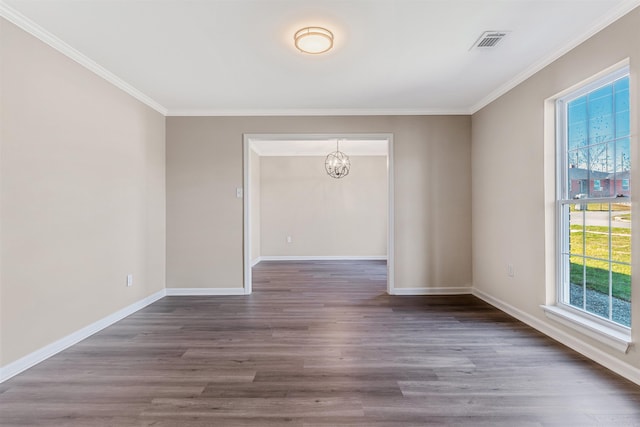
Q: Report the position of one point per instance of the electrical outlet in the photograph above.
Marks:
(510, 271)
(129, 280)
(289, 239)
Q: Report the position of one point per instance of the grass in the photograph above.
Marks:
(623, 217)
(598, 280)
(599, 207)
(594, 242)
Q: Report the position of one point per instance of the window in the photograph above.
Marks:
(596, 185)
(593, 134)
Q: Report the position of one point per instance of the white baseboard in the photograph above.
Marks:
(204, 291)
(32, 359)
(608, 361)
(458, 290)
(323, 258)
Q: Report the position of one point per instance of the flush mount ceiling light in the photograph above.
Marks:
(313, 40)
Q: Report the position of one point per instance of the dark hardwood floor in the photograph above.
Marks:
(319, 344)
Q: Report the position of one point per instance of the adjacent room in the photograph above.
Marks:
(300, 206)
(358, 213)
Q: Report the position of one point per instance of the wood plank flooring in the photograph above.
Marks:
(319, 344)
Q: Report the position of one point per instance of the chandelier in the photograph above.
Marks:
(337, 164)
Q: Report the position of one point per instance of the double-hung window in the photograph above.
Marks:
(594, 200)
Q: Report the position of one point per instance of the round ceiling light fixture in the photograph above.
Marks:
(313, 40)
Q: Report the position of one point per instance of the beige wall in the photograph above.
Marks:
(256, 216)
(512, 213)
(324, 216)
(432, 194)
(82, 196)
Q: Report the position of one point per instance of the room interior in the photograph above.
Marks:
(109, 179)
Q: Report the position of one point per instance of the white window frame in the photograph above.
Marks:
(607, 331)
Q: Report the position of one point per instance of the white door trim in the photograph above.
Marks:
(248, 137)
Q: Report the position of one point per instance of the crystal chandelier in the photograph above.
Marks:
(337, 164)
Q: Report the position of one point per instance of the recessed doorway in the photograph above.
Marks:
(304, 147)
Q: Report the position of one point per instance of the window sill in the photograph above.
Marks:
(613, 337)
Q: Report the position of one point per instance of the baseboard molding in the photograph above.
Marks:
(608, 361)
(458, 290)
(182, 292)
(256, 261)
(323, 258)
(32, 359)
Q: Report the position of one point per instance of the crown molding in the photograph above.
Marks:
(18, 19)
(34, 29)
(317, 112)
(606, 20)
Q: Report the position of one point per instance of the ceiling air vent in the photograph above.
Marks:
(489, 39)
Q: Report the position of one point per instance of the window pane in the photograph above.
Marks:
(597, 241)
(621, 88)
(576, 274)
(597, 292)
(621, 233)
(600, 114)
(623, 158)
(607, 159)
(592, 171)
(579, 159)
(621, 289)
(596, 231)
(576, 229)
(621, 280)
(599, 159)
(622, 167)
(577, 122)
(622, 124)
(578, 173)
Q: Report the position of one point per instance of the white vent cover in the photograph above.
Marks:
(489, 39)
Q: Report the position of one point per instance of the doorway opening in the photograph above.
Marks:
(304, 147)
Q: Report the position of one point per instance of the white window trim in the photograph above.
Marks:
(602, 80)
(602, 330)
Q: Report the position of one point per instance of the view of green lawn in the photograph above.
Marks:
(600, 207)
(623, 217)
(593, 241)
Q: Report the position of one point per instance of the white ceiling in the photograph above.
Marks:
(236, 57)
